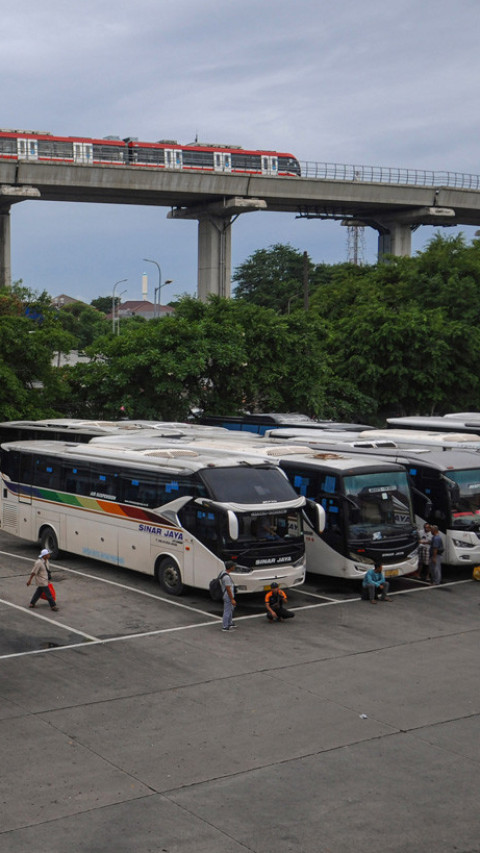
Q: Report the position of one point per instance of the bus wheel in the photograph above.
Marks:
(169, 577)
(48, 539)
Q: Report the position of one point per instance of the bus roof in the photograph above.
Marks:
(446, 423)
(434, 457)
(181, 457)
(382, 438)
(338, 459)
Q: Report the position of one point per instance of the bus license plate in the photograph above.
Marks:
(391, 573)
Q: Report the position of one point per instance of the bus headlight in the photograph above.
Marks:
(459, 544)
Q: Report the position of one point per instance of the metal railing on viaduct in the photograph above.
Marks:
(393, 201)
(389, 175)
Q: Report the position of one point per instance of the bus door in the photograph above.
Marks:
(25, 476)
(203, 536)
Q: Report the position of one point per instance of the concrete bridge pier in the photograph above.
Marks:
(395, 232)
(395, 239)
(215, 222)
(10, 195)
(214, 256)
(5, 250)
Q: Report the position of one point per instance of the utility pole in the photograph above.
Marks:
(305, 281)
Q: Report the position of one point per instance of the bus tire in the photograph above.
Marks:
(48, 539)
(169, 576)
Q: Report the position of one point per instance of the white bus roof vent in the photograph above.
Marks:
(165, 453)
(287, 450)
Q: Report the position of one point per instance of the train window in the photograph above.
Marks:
(7, 146)
(197, 159)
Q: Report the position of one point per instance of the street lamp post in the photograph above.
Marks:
(160, 285)
(113, 301)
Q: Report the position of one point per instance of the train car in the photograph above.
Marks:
(41, 146)
(211, 157)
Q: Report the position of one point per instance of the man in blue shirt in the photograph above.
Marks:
(374, 583)
(436, 551)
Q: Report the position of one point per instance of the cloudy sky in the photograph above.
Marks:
(393, 84)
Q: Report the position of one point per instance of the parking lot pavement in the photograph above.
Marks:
(130, 722)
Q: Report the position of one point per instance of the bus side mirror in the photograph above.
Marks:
(232, 524)
(318, 516)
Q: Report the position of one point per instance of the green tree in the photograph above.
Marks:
(272, 277)
(84, 323)
(104, 303)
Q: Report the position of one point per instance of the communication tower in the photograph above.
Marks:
(356, 244)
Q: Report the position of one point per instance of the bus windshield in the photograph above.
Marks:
(378, 505)
(465, 498)
(248, 484)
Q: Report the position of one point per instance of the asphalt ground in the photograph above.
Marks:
(130, 723)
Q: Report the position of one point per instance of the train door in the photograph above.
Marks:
(27, 149)
(82, 152)
(173, 158)
(222, 161)
(269, 165)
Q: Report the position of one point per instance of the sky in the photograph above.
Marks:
(368, 83)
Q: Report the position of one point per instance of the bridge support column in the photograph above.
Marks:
(214, 256)
(395, 239)
(5, 251)
(215, 241)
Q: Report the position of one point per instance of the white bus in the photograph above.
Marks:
(454, 422)
(382, 438)
(81, 430)
(177, 513)
(368, 510)
(445, 480)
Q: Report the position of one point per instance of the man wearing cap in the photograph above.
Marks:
(275, 601)
(40, 573)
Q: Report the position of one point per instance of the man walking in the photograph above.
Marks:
(40, 573)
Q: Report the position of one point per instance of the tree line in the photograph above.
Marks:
(398, 337)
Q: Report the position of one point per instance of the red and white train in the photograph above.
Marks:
(165, 154)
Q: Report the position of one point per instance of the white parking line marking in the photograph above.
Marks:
(48, 619)
(123, 586)
(98, 641)
(315, 595)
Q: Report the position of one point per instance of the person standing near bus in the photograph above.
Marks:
(425, 537)
(40, 573)
(436, 551)
(228, 596)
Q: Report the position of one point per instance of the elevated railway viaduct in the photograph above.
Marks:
(392, 201)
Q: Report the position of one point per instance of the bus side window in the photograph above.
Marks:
(105, 485)
(46, 472)
(78, 481)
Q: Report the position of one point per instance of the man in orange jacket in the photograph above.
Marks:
(275, 601)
